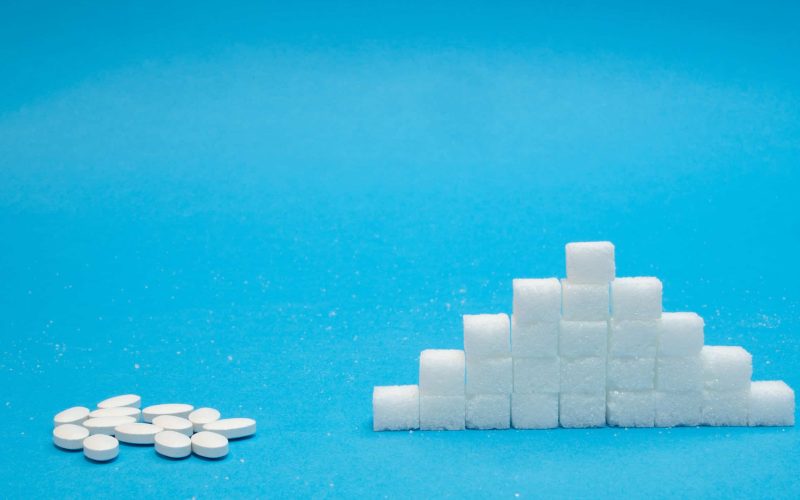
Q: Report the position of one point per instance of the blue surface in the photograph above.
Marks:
(272, 209)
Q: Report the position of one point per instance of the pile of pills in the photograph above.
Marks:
(176, 430)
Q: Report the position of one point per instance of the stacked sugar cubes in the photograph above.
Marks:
(679, 370)
(487, 347)
(441, 390)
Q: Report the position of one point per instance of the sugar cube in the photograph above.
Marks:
(631, 374)
(488, 411)
(582, 302)
(726, 368)
(534, 339)
(536, 375)
(681, 334)
(633, 338)
(395, 408)
(534, 411)
(636, 298)
(582, 410)
(723, 408)
(441, 372)
(487, 335)
(631, 408)
(586, 375)
(590, 262)
(537, 300)
(490, 376)
(679, 374)
(441, 412)
(771, 403)
(678, 408)
(583, 338)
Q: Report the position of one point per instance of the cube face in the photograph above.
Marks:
(636, 298)
(488, 411)
(441, 372)
(578, 339)
(537, 300)
(725, 408)
(441, 413)
(536, 375)
(534, 411)
(583, 375)
(633, 338)
(631, 374)
(582, 410)
(580, 302)
(590, 262)
(490, 376)
(631, 409)
(395, 408)
(771, 403)
(534, 339)
(487, 335)
(681, 334)
(726, 368)
(679, 374)
(678, 408)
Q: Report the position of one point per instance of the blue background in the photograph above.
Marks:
(272, 208)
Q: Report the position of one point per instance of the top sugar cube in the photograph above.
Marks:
(681, 334)
(441, 372)
(636, 298)
(590, 262)
(487, 335)
(537, 300)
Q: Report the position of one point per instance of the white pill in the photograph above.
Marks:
(101, 447)
(178, 409)
(209, 444)
(119, 411)
(132, 400)
(232, 428)
(74, 415)
(106, 425)
(202, 416)
(137, 433)
(173, 423)
(173, 444)
(70, 436)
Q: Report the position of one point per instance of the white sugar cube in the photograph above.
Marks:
(534, 339)
(590, 262)
(582, 302)
(631, 374)
(579, 339)
(631, 408)
(534, 411)
(490, 376)
(536, 375)
(537, 300)
(487, 335)
(679, 374)
(771, 403)
(724, 408)
(586, 375)
(678, 408)
(681, 334)
(726, 368)
(395, 408)
(441, 412)
(582, 410)
(488, 411)
(633, 338)
(636, 298)
(441, 372)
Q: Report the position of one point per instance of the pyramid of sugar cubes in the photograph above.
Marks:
(587, 351)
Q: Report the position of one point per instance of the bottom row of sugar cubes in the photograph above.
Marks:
(176, 430)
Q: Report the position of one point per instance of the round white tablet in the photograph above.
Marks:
(106, 425)
(101, 447)
(178, 409)
(137, 433)
(173, 444)
(132, 400)
(209, 444)
(119, 411)
(70, 436)
(232, 428)
(173, 423)
(74, 415)
(202, 416)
